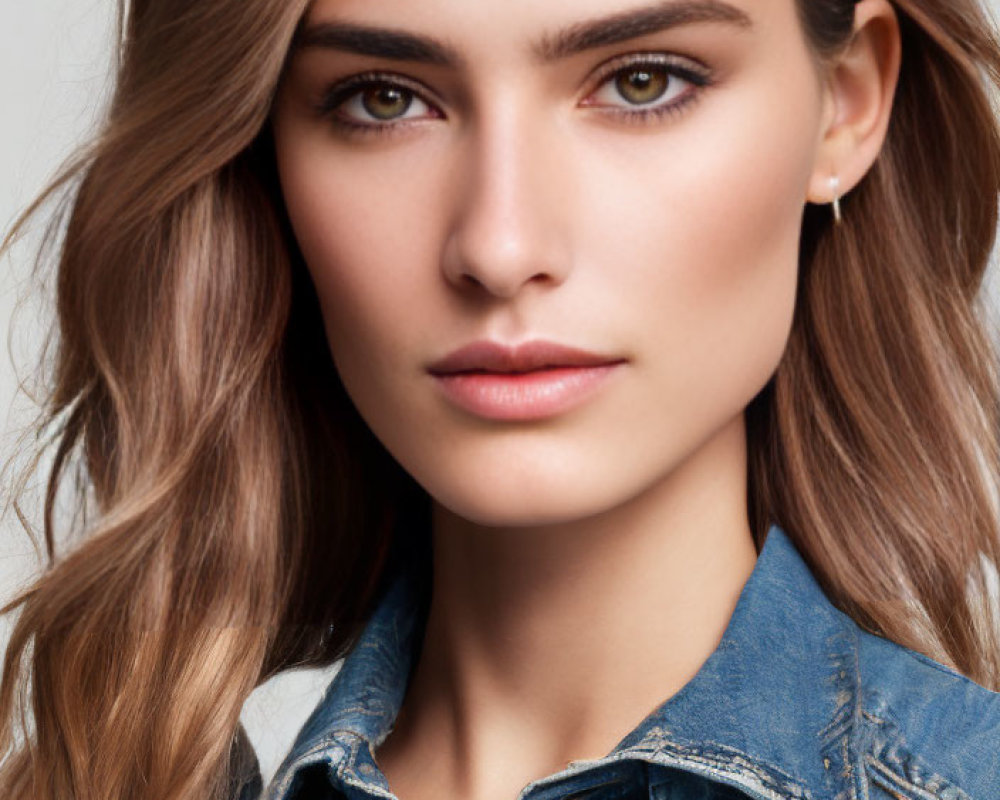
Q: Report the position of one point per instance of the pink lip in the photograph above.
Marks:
(534, 380)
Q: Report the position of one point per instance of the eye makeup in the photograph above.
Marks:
(659, 72)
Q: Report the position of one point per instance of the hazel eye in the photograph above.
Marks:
(641, 85)
(382, 102)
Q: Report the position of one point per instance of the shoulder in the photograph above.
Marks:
(927, 731)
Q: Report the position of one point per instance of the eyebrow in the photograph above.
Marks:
(400, 45)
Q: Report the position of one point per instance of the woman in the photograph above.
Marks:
(609, 381)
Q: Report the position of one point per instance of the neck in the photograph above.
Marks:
(549, 644)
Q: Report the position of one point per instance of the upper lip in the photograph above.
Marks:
(495, 357)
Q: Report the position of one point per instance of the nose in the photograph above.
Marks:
(512, 217)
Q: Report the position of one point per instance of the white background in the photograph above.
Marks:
(55, 60)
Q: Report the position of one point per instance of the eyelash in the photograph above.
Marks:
(700, 77)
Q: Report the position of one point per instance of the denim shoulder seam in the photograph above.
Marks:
(894, 767)
(839, 738)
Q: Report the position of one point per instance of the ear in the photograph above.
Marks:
(858, 90)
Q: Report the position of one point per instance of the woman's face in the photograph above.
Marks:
(618, 178)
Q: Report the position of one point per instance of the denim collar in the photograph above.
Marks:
(769, 712)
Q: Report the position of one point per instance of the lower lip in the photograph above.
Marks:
(524, 396)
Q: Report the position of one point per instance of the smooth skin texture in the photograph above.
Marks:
(587, 564)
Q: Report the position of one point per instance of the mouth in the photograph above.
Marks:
(492, 357)
(535, 380)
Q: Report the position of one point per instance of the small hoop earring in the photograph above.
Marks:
(835, 189)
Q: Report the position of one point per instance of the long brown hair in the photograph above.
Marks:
(243, 513)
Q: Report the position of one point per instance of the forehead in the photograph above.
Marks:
(448, 32)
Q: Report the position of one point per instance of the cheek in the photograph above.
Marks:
(367, 253)
(706, 225)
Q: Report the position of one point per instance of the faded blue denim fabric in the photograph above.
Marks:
(795, 702)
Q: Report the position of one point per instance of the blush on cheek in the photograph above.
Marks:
(349, 261)
(733, 254)
(744, 197)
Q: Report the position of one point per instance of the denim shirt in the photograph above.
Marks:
(796, 701)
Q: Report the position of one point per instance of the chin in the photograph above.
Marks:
(491, 516)
(537, 501)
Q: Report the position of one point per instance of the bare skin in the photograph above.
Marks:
(546, 648)
(587, 563)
